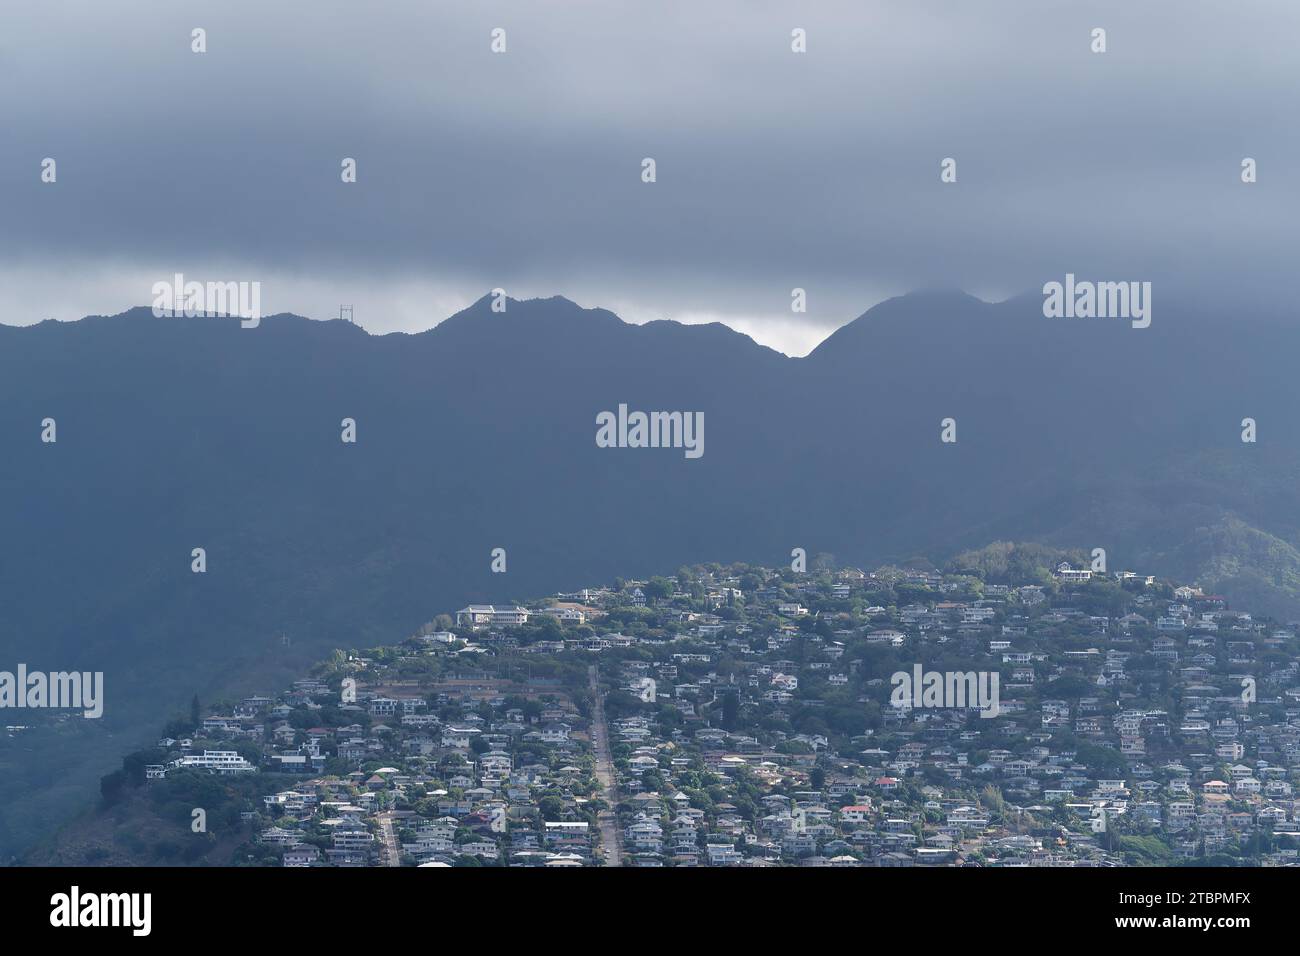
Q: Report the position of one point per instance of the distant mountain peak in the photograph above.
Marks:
(554, 313)
(942, 305)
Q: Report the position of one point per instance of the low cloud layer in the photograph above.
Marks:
(522, 169)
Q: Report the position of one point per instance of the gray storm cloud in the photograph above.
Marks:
(522, 170)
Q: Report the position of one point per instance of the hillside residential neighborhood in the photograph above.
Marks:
(744, 716)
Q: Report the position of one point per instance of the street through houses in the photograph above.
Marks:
(606, 820)
(388, 841)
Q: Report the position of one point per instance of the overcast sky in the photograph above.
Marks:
(523, 170)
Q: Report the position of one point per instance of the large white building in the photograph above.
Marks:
(1068, 574)
(219, 761)
(484, 615)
